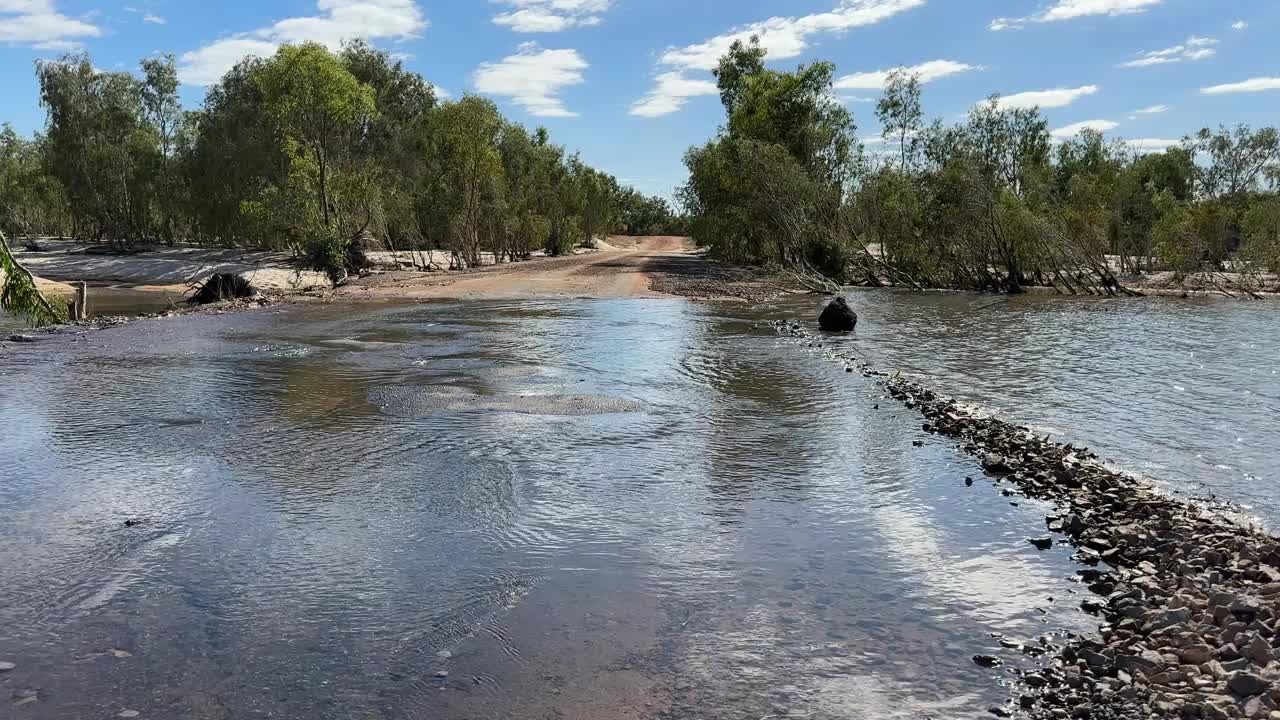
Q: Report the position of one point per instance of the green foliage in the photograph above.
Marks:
(990, 203)
(327, 251)
(1262, 234)
(768, 189)
(315, 102)
(296, 151)
(18, 292)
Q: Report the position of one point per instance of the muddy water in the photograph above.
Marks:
(580, 509)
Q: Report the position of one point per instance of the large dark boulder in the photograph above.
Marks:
(838, 317)
(223, 286)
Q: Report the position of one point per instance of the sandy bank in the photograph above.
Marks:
(172, 269)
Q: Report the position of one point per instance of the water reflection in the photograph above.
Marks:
(734, 530)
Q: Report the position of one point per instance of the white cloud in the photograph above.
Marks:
(38, 23)
(670, 93)
(1059, 97)
(1074, 129)
(1240, 25)
(542, 16)
(1152, 110)
(1195, 48)
(533, 78)
(1073, 9)
(928, 72)
(1260, 84)
(1144, 146)
(336, 21)
(154, 19)
(788, 37)
(783, 37)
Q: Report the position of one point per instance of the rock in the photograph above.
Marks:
(21, 339)
(117, 652)
(1161, 620)
(1041, 543)
(1144, 663)
(128, 714)
(1000, 712)
(444, 654)
(442, 674)
(1259, 651)
(1198, 654)
(987, 661)
(1094, 659)
(1092, 606)
(838, 317)
(7, 666)
(1247, 684)
(1235, 665)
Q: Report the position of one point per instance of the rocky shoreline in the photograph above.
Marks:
(1188, 596)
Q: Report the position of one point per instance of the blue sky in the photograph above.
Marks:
(626, 82)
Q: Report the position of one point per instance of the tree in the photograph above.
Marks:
(900, 112)
(19, 294)
(316, 102)
(99, 146)
(467, 134)
(1238, 160)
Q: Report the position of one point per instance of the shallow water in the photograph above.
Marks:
(1186, 392)
(580, 509)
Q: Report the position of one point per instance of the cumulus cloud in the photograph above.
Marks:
(1195, 48)
(928, 72)
(1240, 25)
(546, 16)
(1056, 98)
(533, 79)
(670, 93)
(37, 23)
(1074, 129)
(336, 20)
(1074, 9)
(1260, 84)
(783, 37)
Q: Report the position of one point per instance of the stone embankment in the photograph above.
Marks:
(1188, 595)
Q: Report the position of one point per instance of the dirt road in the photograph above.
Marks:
(623, 269)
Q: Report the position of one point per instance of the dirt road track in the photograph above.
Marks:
(623, 271)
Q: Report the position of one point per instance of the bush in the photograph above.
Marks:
(327, 251)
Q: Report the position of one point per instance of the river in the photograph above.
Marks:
(584, 509)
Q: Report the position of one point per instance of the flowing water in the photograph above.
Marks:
(577, 509)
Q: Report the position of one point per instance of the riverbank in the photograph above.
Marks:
(1188, 591)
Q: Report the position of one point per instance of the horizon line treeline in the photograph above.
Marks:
(989, 204)
(303, 150)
